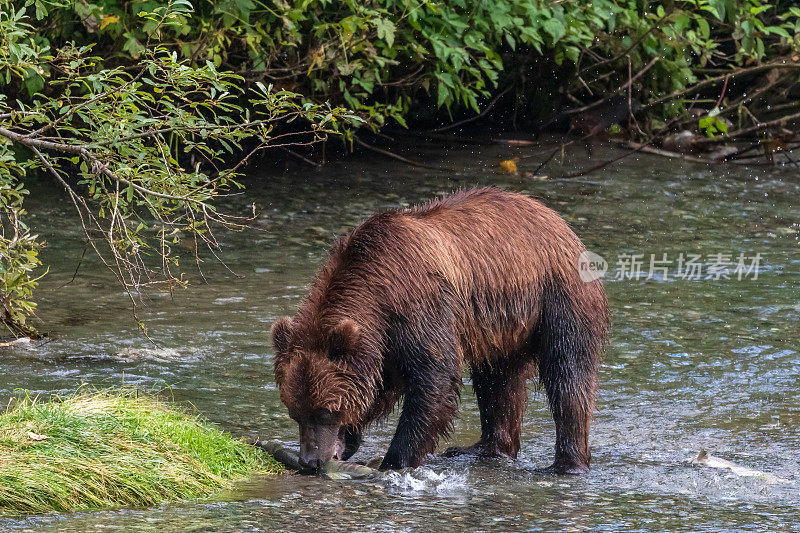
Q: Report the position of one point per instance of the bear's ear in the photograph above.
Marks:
(344, 340)
(281, 333)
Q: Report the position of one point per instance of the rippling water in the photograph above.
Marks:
(693, 363)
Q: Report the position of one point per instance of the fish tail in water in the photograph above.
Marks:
(346, 470)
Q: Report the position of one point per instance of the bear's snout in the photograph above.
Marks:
(319, 444)
(310, 463)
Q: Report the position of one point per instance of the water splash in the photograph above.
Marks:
(426, 480)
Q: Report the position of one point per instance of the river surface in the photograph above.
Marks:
(696, 360)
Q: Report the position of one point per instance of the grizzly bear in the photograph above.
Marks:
(483, 278)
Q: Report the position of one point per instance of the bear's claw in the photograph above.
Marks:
(563, 470)
(477, 450)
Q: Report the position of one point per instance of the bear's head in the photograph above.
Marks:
(320, 387)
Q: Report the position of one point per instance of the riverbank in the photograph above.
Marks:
(117, 448)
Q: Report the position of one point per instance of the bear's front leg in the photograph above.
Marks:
(352, 442)
(429, 405)
(424, 419)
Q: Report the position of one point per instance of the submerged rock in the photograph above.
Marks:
(21, 341)
(680, 142)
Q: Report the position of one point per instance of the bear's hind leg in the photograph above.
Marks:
(569, 345)
(500, 388)
(572, 416)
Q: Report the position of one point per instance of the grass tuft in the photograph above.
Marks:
(113, 448)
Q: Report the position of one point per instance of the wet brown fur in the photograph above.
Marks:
(483, 278)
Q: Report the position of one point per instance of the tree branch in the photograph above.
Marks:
(82, 151)
(710, 81)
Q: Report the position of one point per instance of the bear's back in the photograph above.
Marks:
(476, 241)
(498, 237)
(484, 257)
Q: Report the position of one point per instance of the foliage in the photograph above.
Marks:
(376, 56)
(147, 143)
(711, 124)
(19, 254)
(113, 448)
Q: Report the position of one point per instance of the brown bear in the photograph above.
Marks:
(484, 278)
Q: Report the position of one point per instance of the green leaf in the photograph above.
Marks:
(777, 30)
(703, 27)
(511, 42)
(572, 53)
(33, 83)
(386, 30)
(443, 93)
(555, 28)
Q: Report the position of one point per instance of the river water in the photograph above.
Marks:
(697, 359)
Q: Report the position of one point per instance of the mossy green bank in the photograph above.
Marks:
(114, 448)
